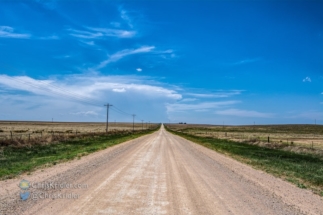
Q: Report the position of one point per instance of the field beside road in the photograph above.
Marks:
(27, 133)
(297, 138)
(299, 164)
(21, 129)
(159, 173)
(43, 144)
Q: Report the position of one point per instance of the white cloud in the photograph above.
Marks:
(124, 15)
(307, 79)
(218, 94)
(121, 54)
(8, 32)
(100, 33)
(24, 83)
(243, 113)
(53, 37)
(82, 87)
(90, 43)
(119, 90)
(178, 107)
(188, 100)
(252, 60)
(85, 113)
(73, 97)
(139, 70)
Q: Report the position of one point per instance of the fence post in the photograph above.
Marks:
(11, 134)
(268, 139)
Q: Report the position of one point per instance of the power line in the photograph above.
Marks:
(120, 111)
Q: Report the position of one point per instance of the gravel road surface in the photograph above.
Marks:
(158, 173)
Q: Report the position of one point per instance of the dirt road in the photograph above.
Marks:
(156, 174)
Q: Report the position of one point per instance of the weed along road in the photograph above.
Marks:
(159, 173)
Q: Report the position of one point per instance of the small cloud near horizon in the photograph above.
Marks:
(307, 79)
(244, 113)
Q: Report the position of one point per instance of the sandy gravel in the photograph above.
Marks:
(158, 174)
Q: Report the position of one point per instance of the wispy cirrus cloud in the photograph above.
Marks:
(246, 61)
(189, 100)
(244, 113)
(53, 37)
(218, 94)
(123, 53)
(100, 33)
(125, 16)
(85, 113)
(180, 107)
(310, 115)
(8, 32)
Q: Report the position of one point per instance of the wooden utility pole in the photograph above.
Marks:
(133, 122)
(107, 125)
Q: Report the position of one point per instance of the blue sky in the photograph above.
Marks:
(215, 62)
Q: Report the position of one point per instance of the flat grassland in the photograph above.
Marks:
(295, 160)
(25, 146)
(23, 127)
(299, 138)
(29, 132)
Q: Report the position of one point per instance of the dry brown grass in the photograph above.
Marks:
(297, 138)
(20, 133)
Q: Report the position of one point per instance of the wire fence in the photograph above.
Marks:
(44, 137)
(270, 139)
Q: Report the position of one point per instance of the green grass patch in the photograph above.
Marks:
(304, 170)
(17, 160)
